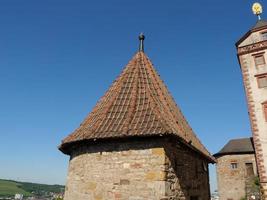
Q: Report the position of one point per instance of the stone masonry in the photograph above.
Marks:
(232, 181)
(137, 170)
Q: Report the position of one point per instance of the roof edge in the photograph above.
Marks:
(216, 155)
(66, 148)
(248, 33)
(234, 151)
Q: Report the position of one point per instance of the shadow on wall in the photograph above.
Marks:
(187, 173)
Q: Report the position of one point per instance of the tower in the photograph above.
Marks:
(136, 144)
(236, 170)
(252, 55)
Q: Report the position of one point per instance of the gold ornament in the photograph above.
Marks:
(257, 8)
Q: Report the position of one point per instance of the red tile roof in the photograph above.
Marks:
(137, 104)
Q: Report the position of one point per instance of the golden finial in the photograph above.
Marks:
(257, 9)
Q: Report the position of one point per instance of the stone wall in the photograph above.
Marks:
(148, 169)
(232, 181)
(187, 174)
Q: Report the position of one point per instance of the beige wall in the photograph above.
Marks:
(231, 182)
(253, 38)
(136, 170)
(255, 97)
(259, 95)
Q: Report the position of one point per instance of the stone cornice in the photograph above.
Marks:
(258, 46)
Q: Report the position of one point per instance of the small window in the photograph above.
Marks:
(259, 59)
(264, 105)
(262, 80)
(264, 36)
(233, 165)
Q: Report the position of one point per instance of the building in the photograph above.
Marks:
(18, 196)
(136, 144)
(236, 170)
(215, 195)
(252, 54)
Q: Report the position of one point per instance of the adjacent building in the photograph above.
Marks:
(136, 144)
(237, 170)
(252, 55)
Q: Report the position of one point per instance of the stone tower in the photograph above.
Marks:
(236, 170)
(136, 144)
(252, 54)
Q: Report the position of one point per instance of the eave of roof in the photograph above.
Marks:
(66, 148)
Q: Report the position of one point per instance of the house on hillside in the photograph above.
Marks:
(18, 196)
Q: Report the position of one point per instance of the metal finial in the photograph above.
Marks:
(257, 10)
(141, 39)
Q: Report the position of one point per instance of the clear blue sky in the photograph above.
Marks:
(58, 57)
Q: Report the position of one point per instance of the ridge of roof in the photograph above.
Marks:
(237, 146)
(137, 104)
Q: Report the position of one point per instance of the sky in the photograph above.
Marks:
(58, 57)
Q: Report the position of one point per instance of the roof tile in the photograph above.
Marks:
(137, 104)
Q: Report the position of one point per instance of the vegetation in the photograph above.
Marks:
(10, 188)
(257, 182)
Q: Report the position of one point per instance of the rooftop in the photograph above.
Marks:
(260, 23)
(137, 104)
(237, 146)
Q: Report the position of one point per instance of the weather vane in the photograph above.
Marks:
(257, 10)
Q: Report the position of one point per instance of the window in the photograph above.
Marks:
(262, 80)
(249, 170)
(264, 36)
(233, 165)
(259, 59)
(264, 105)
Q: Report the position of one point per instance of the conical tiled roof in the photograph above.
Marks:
(137, 104)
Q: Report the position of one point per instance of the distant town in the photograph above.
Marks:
(15, 190)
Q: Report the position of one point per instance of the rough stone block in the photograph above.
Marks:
(158, 151)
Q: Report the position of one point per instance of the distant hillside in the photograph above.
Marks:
(10, 188)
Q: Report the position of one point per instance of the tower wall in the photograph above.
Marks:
(137, 170)
(247, 50)
(232, 181)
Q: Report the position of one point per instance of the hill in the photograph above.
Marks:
(9, 188)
